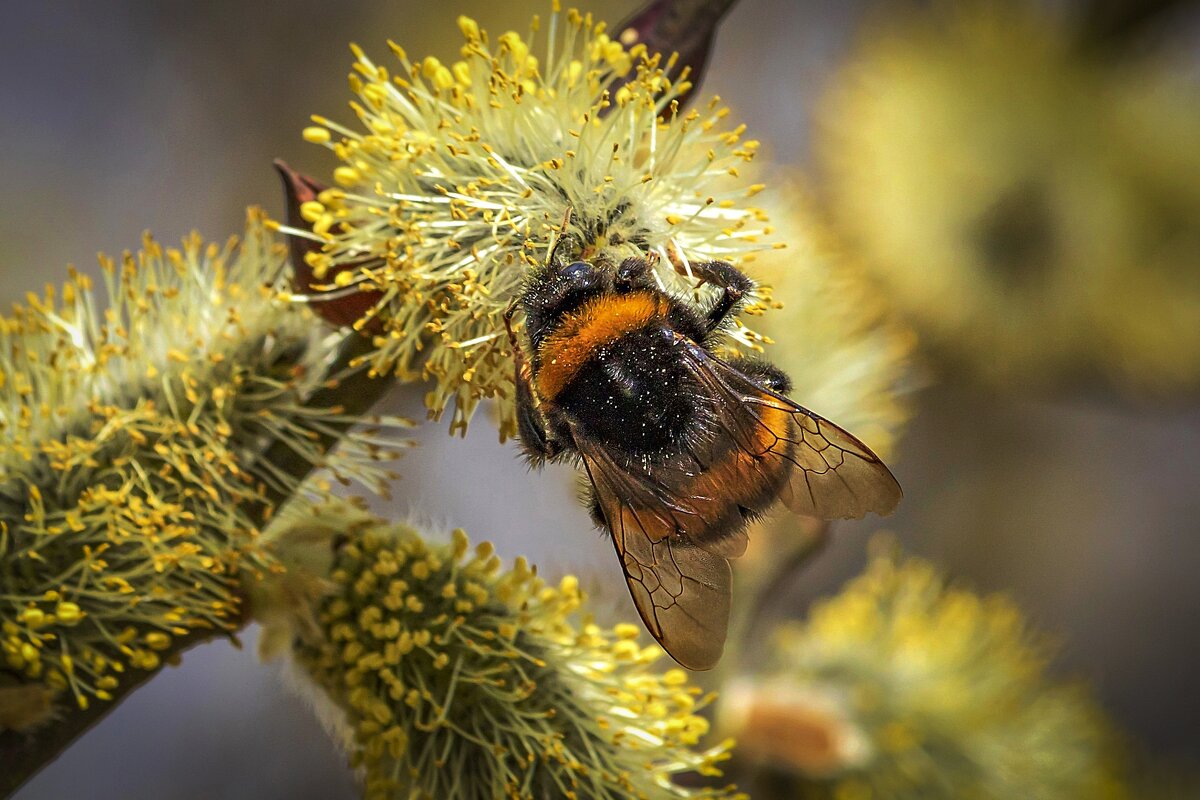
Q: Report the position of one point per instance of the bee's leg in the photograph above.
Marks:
(734, 285)
(594, 509)
(763, 373)
(536, 437)
(539, 443)
(634, 274)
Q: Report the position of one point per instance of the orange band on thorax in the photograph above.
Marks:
(581, 333)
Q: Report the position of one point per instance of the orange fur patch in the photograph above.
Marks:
(581, 333)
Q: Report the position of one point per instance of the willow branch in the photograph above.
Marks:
(350, 392)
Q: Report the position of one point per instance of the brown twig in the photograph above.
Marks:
(783, 572)
(685, 27)
(1110, 25)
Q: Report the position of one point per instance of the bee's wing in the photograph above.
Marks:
(682, 590)
(670, 523)
(833, 474)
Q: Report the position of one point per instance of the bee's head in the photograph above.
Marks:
(578, 269)
(560, 287)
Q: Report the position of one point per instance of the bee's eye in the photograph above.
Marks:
(577, 272)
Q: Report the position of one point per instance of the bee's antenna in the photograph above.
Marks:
(558, 237)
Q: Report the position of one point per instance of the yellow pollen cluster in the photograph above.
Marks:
(127, 455)
(1032, 209)
(923, 689)
(462, 175)
(459, 678)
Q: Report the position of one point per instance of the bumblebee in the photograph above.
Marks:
(681, 449)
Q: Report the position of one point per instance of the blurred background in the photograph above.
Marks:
(1053, 452)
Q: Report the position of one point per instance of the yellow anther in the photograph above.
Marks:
(469, 28)
(68, 613)
(346, 176)
(316, 134)
(311, 211)
(157, 640)
(624, 630)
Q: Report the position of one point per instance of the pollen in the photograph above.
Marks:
(520, 691)
(312, 211)
(316, 135)
(347, 176)
(134, 426)
(442, 177)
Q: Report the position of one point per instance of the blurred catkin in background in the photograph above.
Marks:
(1027, 196)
